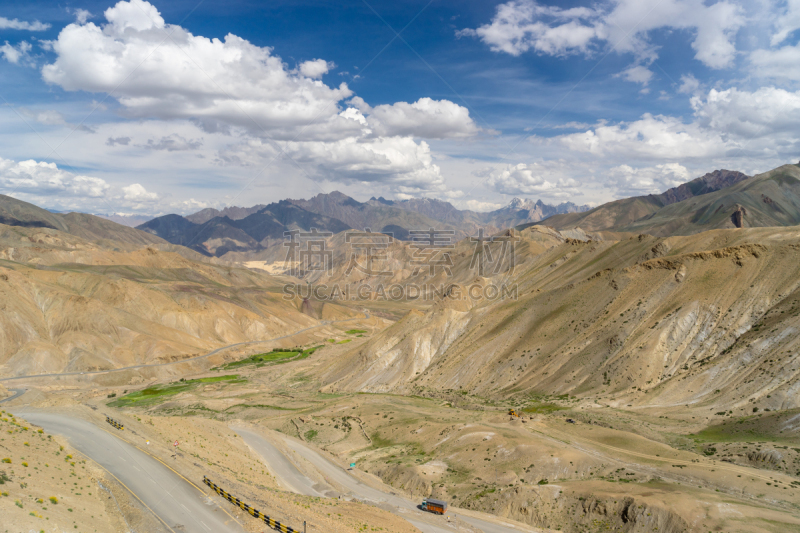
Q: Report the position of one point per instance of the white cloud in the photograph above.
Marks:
(231, 87)
(17, 54)
(519, 26)
(47, 116)
(749, 115)
(629, 181)
(46, 179)
(398, 162)
(689, 84)
(137, 193)
(15, 24)
(650, 137)
(547, 178)
(787, 22)
(315, 68)
(81, 16)
(779, 64)
(623, 25)
(427, 118)
(637, 74)
(481, 207)
(733, 127)
(219, 83)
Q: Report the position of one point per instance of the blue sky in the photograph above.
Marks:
(147, 108)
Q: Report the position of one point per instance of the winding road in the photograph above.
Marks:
(17, 394)
(399, 505)
(179, 504)
(191, 359)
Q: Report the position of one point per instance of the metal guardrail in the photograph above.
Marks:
(271, 522)
(114, 423)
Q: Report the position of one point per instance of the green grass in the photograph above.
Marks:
(275, 357)
(345, 341)
(764, 426)
(543, 408)
(158, 393)
(355, 331)
(311, 434)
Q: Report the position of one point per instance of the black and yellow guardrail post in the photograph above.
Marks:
(114, 423)
(271, 522)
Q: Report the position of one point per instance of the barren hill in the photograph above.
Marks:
(706, 319)
(722, 199)
(69, 304)
(15, 212)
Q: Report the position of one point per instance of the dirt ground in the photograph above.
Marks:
(566, 464)
(44, 484)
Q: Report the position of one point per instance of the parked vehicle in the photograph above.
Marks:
(434, 506)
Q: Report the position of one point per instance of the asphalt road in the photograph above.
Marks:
(17, 394)
(209, 354)
(279, 463)
(181, 506)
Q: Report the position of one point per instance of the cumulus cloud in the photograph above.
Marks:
(81, 16)
(39, 178)
(315, 68)
(15, 24)
(689, 84)
(727, 124)
(398, 162)
(787, 22)
(519, 26)
(17, 54)
(481, 207)
(547, 178)
(428, 118)
(749, 115)
(219, 83)
(622, 25)
(637, 74)
(137, 193)
(629, 181)
(230, 86)
(650, 137)
(779, 63)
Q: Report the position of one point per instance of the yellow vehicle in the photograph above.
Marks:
(513, 412)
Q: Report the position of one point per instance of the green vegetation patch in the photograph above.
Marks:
(276, 357)
(355, 331)
(766, 426)
(158, 393)
(543, 408)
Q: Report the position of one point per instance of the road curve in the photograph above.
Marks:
(181, 361)
(280, 463)
(17, 394)
(180, 506)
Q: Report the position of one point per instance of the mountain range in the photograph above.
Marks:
(720, 199)
(254, 229)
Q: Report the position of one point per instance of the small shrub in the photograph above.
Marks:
(53, 500)
(6, 460)
(112, 395)
(542, 482)
(24, 464)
